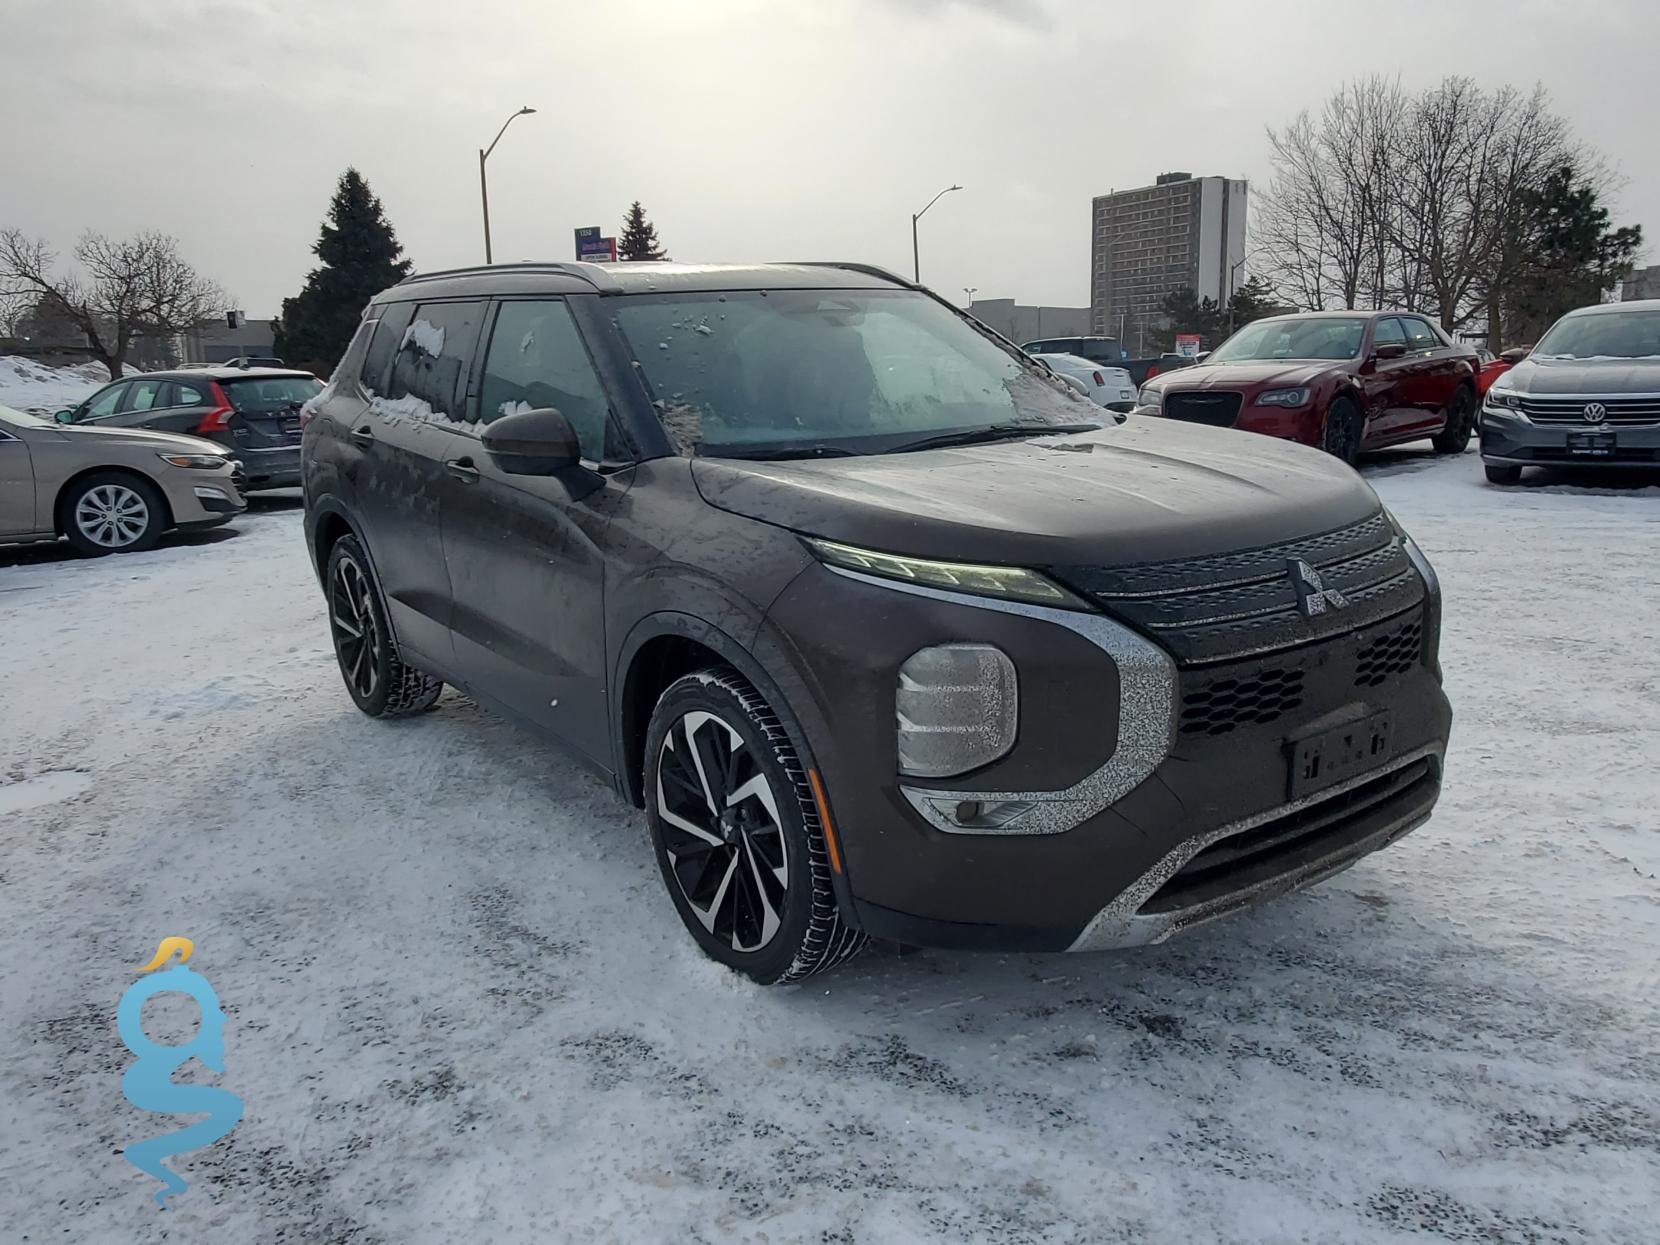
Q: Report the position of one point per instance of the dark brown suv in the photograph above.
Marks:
(888, 630)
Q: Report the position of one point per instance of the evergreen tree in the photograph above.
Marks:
(1186, 312)
(361, 257)
(639, 236)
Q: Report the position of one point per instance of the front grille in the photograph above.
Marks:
(1620, 411)
(1221, 608)
(1298, 839)
(1395, 652)
(1203, 406)
(1229, 703)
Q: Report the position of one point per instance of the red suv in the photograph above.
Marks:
(1345, 381)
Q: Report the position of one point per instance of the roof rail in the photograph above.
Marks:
(870, 270)
(594, 274)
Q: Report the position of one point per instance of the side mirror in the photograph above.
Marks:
(64, 417)
(1389, 350)
(540, 442)
(1515, 354)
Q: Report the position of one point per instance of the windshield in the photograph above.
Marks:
(22, 419)
(753, 373)
(1307, 337)
(1603, 335)
(270, 393)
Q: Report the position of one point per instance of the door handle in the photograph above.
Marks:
(462, 469)
(362, 437)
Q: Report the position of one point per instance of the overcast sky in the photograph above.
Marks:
(750, 129)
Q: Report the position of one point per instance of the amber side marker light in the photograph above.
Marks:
(824, 818)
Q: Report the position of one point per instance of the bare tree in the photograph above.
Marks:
(126, 288)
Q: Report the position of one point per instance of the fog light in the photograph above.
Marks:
(202, 490)
(956, 709)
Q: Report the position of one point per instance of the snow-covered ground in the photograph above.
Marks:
(461, 1006)
(39, 388)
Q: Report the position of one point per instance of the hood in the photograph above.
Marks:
(1575, 378)
(1275, 372)
(1141, 491)
(145, 438)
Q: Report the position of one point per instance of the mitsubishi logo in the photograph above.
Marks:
(1594, 412)
(1313, 597)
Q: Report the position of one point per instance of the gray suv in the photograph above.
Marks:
(1587, 396)
(888, 630)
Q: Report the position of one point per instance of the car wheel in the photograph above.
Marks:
(380, 682)
(1342, 435)
(1498, 473)
(1461, 421)
(113, 512)
(737, 833)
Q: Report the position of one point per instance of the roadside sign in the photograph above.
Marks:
(597, 250)
(1187, 344)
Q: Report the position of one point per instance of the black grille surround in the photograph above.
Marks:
(1217, 408)
(1623, 412)
(1256, 699)
(1236, 605)
(1392, 653)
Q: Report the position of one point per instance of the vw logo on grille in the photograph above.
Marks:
(1594, 412)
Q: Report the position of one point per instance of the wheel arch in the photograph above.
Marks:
(58, 521)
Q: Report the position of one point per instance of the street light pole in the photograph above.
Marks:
(1233, 277)
(483, 183)
(916, 261)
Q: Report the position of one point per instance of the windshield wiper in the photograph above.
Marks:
(769, 452)
(993, 432)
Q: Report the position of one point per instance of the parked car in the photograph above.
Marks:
(1143, 370)
(1492, 366)
(252, 412)
(1345, 381)
(1588, 395)
(1096, 349)
(108, 490)
(886, 629)
(1106, 386)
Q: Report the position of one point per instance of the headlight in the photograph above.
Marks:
(1283, 397)
(202, 462)
(1151, 397)
(956, 708)
(1508, 399)
(1012, 583)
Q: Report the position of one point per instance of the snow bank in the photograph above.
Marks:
(39, 388)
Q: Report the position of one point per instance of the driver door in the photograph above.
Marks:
(17, 485)
(1387, 411)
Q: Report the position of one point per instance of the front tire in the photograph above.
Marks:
(1498, 473)
(379, 681)
(1344, 430)
(1454, 436)
(113, 512)
(737, 833)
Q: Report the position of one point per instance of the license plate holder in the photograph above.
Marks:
(1325, 758)
(1592, 443)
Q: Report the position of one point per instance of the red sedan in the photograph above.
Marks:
(1344, 381)
(1493, 368)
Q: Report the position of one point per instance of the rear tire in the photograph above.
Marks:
(1344, 430)
(737, 833)
(379, 681)
(1454, 436)
(1498, 473)
(113, 512)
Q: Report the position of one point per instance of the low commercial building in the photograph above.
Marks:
(234, 337)
(1023, 324)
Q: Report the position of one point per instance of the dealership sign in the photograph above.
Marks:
(593, 248)
(1187, 344)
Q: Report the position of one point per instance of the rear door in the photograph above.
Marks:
(1432, 377)
(266, 409)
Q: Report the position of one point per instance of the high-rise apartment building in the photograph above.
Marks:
(1146, 243)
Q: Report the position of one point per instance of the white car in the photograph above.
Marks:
(1108, 386)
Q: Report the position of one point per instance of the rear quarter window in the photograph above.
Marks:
(377, 363)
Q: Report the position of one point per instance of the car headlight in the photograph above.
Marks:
(1153, 398)
(1284, 397)
(1507, 399)
(956, 708)
(201, 462)
(1012, 583)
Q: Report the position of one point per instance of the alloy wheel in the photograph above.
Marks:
(721, 831)
(357, 638)
(112, 516)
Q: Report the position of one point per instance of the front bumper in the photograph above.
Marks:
(200, 498)
(1509, 439)
(1101, 738)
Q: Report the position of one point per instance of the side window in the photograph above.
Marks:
(143, 395)
(432, 358)
(536, 359)
(182, 394)
(1419, 335)
(103, 404)
(1388, 333)
(377, 364)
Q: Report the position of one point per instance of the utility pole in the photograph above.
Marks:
(916, 262)
(483, 183)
